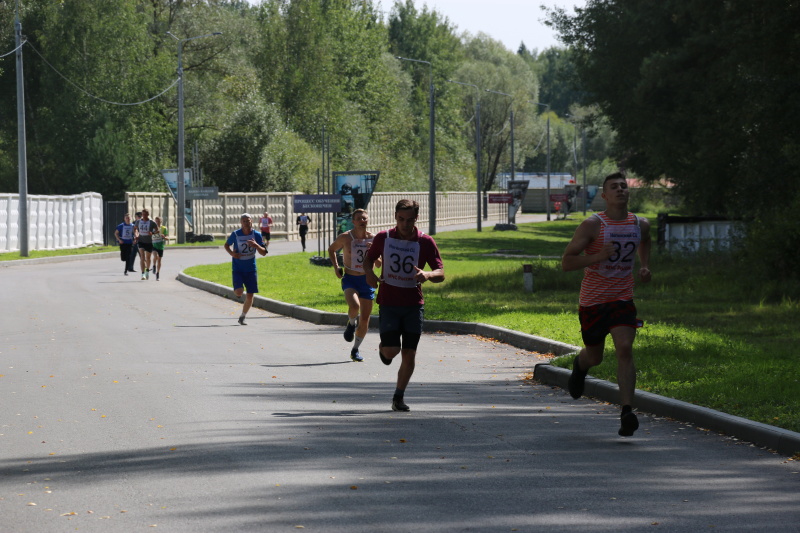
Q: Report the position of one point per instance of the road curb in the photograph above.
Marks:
(781, 440)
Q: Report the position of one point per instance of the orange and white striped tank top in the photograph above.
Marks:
(612, 279)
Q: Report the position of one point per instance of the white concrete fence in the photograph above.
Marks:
(56, 222)
(60, 222)
(220, 217)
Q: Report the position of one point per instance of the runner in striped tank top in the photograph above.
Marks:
(605, 246)
(358, 294)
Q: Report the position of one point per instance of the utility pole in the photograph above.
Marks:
(22, 157)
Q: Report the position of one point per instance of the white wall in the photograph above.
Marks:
(55, 222)
(220, 217)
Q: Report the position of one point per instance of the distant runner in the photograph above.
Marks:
(124, 236)
(160, 239)
(242, 246)
(145, 229)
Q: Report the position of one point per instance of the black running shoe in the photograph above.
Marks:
(158, 275)
(577, 380)
(126, 271)
(355, 356)
(628, 424)
(399, 405)
(349, 332)
(241, 320)
(383, 359)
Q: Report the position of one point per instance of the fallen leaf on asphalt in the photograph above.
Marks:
(402, 440)
(31, 503)
(71, 513)
(353, 487)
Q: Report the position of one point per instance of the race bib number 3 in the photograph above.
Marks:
(400, 258)
(358, 250)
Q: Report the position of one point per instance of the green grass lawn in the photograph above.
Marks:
(710, 337)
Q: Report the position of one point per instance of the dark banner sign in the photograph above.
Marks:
(500, 198)
(317, 203)
(355, 188)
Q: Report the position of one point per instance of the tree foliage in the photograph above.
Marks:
(704, 93)
(257, 97)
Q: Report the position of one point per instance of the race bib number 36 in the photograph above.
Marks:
(399, 259)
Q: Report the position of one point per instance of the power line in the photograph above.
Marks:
(90, 94)
(14, 50)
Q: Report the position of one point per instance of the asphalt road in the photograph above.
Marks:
(129, 405)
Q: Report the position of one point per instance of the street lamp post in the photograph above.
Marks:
(547, 198)
(583, 157)
(431, 147)
(181, 211)
(477, 144)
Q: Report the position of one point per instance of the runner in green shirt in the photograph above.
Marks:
(160, 239)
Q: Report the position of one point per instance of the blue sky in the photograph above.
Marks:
(508, 21)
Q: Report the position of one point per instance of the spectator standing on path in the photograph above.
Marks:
(357, 293)
(145, 229)
(266, 224)
(242, 246)
(303, 222)
(135, 248)
(405, 251)
(124, 235)
(605, 246)
(160, 239)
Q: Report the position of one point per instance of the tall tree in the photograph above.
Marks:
(702, 92)
(491, 67)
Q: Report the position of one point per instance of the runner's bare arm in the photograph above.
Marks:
(583, 237)
(335, 246)
(231, 252)
(434, 276)
(369, 265)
